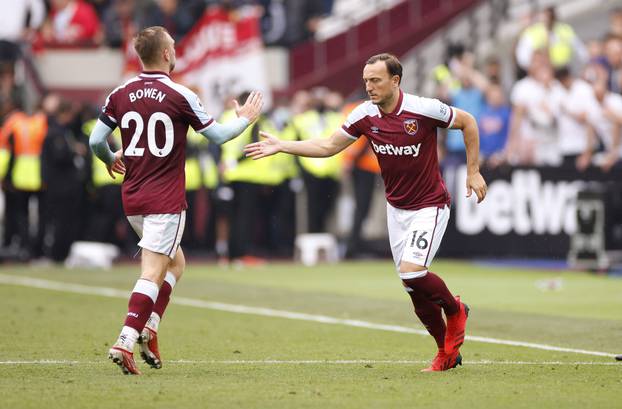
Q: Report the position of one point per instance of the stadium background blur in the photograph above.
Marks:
(554, 176)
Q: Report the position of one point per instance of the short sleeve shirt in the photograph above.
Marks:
(405, 143)
(154, 113)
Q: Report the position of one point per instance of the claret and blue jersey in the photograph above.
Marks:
(154, 113)
(404, 142)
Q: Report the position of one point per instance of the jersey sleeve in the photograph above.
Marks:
(441, 114)
(353, 125)
(108, 114)
(194, 113)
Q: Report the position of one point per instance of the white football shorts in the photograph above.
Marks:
(160, 233)
(415, 235)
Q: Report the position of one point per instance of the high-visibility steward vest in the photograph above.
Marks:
(442, 75)
(239, 168)
(100, 175)
(560, 50)
(28, 135)
(312, 124)
(194, 143)
(210, 171)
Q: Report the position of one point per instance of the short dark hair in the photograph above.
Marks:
(149, 42)
(394, 67)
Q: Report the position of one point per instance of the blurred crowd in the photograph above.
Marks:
(112, 23)
(562, 108)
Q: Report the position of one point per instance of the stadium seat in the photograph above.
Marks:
(91, 255)
(314, 247)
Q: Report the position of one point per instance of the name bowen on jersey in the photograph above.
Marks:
(153, 113)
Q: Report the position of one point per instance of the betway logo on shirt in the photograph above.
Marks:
(388, 149)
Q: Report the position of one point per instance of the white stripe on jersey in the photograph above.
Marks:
(364, 109)
(430, 107)
(192, 98)
(115, 90)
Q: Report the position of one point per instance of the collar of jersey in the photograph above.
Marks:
(154, 74)
(398, 107)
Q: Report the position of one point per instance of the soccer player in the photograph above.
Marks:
(153, 113)
(401, 129)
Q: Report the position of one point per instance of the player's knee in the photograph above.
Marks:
(178, 264)
(406, 267)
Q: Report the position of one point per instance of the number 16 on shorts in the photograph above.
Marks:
(425, 232)
(417, 244)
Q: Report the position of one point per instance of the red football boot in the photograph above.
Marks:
(125, 360)
(456, 326)
(148, 342)
(443, 361)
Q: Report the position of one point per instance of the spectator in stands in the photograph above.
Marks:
(13, 28)
(120, 23)
(615, 22)
(470, 98)
(533, 132)
(493, 124)
(171, 15)
(302, 19)
(613, 63)
(72, 22)
(574, 130)
(64, 171)
(606, 118)
(557, 39)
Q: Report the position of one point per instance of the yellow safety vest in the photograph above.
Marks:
(193, 166)
(442, 75)
(312, 124)
(100, 175)
(272, 170)
(560, 51)
(29, 133)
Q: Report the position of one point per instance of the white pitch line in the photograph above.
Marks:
(269, 312)
(312, 362)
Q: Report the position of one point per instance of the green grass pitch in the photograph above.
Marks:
(53, 343)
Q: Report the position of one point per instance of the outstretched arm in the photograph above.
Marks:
(475, 182)
(315, 148)
(221, 133)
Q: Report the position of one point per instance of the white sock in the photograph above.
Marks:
(127, 338)
(154, 322)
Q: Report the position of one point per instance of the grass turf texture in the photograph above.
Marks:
(40, 324)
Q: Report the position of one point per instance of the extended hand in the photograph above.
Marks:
(117, 166)
(251, 108)
(269, 146)
(475, 182)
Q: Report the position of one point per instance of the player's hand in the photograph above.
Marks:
(251, 108)
(475, 182)
(117, 166)
(269, 146)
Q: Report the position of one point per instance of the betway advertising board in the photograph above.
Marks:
(528, 212)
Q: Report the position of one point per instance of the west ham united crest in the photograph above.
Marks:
(411, 126)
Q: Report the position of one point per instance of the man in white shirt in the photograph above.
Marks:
(533, 127)
(573, 128)
(606, 118)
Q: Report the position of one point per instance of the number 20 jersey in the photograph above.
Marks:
(154, 113)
